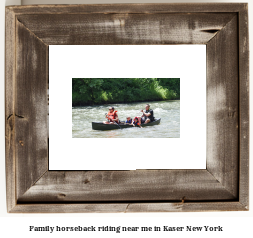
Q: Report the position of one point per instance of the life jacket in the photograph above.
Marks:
(136, 123)
(130, 121)
(111, 115)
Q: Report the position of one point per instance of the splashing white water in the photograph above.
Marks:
(168, 111)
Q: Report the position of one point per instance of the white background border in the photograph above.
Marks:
(187, 62)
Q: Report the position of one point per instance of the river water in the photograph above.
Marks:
(168, 111)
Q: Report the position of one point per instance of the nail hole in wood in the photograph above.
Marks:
(183, 199)
(61, 195)
(86, 181)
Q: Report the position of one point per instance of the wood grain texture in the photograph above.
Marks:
(155, 8)
(244, 106)
(9, 109)
(30, 109)
(186, 207)
(129, 207)
(139, 185)
(222, 107)
(115, 29)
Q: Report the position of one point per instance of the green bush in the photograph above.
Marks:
(90, 91)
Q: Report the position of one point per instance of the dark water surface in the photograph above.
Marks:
(168, 111)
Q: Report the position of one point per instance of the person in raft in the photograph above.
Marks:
(136, 122)
(111, 116)
(129, 120)
(148, 115)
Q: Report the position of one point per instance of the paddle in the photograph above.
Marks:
(117, 124)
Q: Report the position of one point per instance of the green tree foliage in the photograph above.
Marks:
(90, 91)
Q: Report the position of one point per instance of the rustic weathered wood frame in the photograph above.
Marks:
(222, 186)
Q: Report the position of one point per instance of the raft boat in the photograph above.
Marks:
(103, 127)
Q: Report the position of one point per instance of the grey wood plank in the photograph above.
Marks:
(69, 208)
(114, 29)
(31, 109)
(222, 107)
(128, 207)
(154, 8)
(9, 108)
(186, 207)
(244, 106)
(139, 185)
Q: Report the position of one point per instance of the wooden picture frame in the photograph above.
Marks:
(222, 186)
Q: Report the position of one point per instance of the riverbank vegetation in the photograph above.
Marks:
(90, 91)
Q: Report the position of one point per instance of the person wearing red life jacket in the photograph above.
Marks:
(111, 116)
(136, 122)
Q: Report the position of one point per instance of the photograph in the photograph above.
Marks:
(125, 107)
